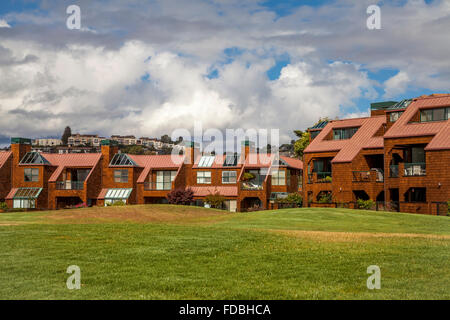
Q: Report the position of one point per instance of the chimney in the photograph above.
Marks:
(109, 149)
(20, 147)
(192, 150)
(247, 147)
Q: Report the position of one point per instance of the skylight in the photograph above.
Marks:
(122, 160)
(231, 161)
(34, 158)
(206, 161)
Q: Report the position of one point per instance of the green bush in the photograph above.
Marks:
(215, 200)
(326, 198)
(448, 208)
(292, 198)
(365, 204)
(328, 179)
(3, 206)
(118, 203)
(248, 176)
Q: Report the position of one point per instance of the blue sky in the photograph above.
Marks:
(258, 64)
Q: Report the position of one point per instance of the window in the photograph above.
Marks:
(204, 177)
(24, 204)
(314, 134)
(231, 161)
(206, 161)
(416, 195)
(31, 175)
(229, 176)
(279, 178)
(438, 114)
(393, 116)
(164, 179)
(344, 133)
(122, 160)
(288, 177)
(121, 176)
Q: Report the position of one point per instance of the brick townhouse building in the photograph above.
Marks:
(51, 181)
(398, 157)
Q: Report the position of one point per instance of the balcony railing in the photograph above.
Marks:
(159, 186)
(251, 185)
(69, 185)
(415, 169)
(324, 177)
(372, 175)
(393, 169)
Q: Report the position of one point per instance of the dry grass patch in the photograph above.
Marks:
(137, 214)
(328, 236)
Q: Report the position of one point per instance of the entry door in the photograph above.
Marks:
(233, 205)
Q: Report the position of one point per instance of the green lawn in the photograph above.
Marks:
(166, 252)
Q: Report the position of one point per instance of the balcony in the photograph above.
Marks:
(324, 177)
(393, 171)
(251, 186)
(414, 169)
(157, 186)
(69, 185)
(372, 175)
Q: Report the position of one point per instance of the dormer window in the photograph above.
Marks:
(394, 116)
(436, 114)
(344, 133)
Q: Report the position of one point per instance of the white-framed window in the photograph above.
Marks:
(121, 175)
(24, 203)
(279, 178)
(204, 177)
(31, 175)
(164, 179)
(229, 176)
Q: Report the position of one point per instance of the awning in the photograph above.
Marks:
(119, 193)
(25, 193)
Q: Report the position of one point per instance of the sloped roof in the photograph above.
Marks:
(4, 156)
(403, 128)
(70, 160)
(348, 149)
(226, 191)
(149, 162)
(293, 162)
(217, 163)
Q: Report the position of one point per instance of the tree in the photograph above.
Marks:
(304, 138)
(135, 149)
(166, 139)
(181, 196)
(215, 200)
(301, 144)
(65, 137)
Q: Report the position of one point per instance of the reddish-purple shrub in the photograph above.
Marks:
(181, 196)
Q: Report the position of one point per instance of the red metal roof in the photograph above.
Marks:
(102, 193)
(11, 193)
(226, 191)
(4, 156)
(402, 128)
(149, 162)
(293, 162)
(348, 149)
(70, 160)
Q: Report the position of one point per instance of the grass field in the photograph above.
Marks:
(167, 252)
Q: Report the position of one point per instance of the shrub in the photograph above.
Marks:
(248, 176)
(181, 196)
(215, 200)
(448, 208)
(325, 198)
(81, 205)
(118, 203)
(365, 204)
(328, 179)
(3, 206)
(295, 198)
